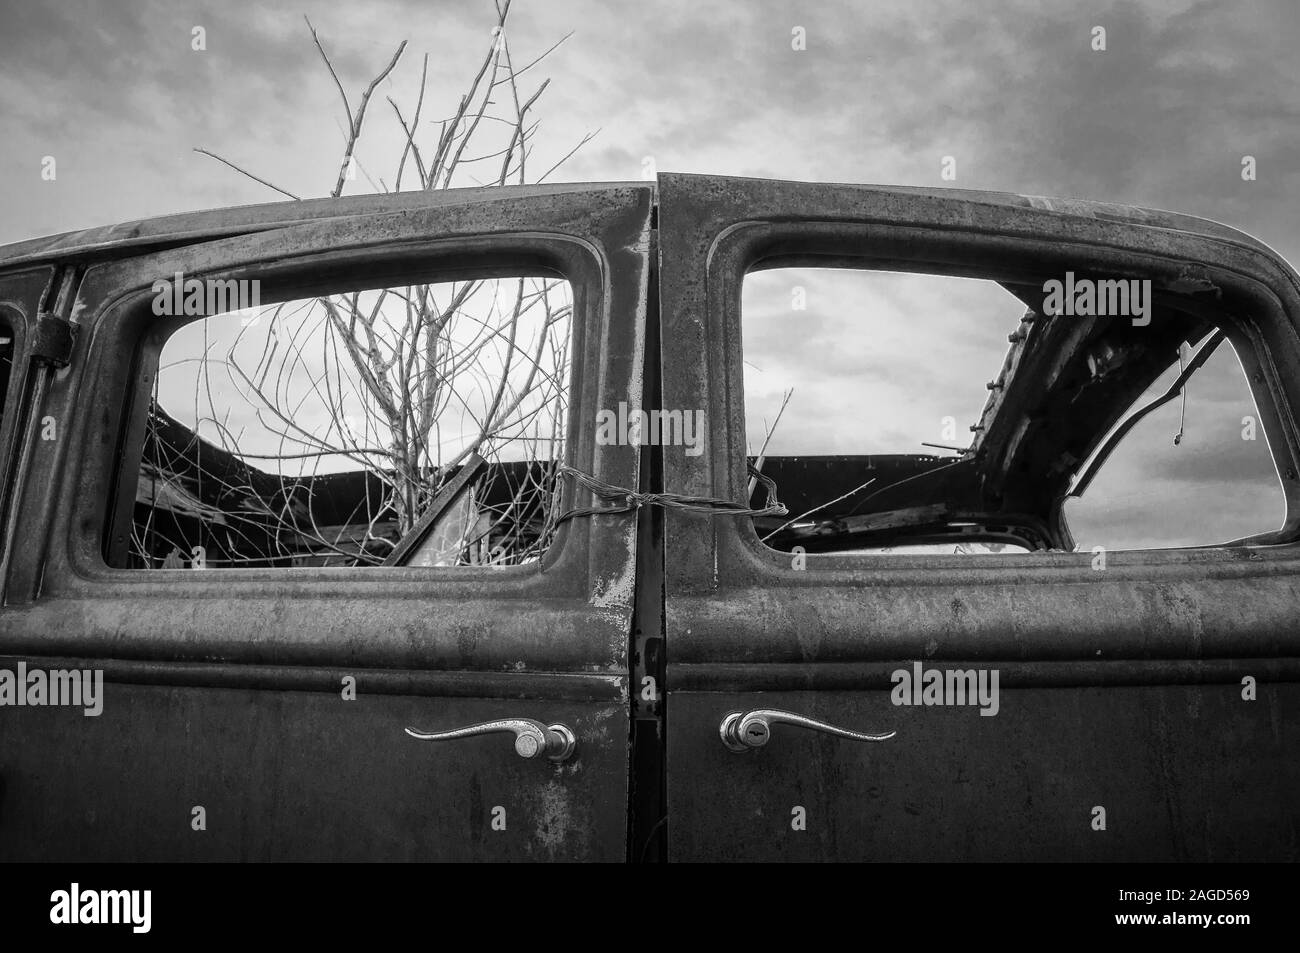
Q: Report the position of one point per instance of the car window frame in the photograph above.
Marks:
(596, 238)
(768, 245)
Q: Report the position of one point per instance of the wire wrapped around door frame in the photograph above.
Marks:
(626, 500)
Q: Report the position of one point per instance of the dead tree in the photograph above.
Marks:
(403, 384)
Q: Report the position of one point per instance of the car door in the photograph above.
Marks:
(1147, 706)
(261, 713)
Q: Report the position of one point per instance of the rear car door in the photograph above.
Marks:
(257, 710)
(1147, 701)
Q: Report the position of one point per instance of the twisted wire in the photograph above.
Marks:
(625, 500)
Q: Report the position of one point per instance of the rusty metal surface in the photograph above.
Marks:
(303, 776)
(572, 613)
(1113, 665)
(1185, 773)
(712, 229)
(451, 683)
(21, 293)
(732, 676)
(1120, 689)
(24, 296)
(224, 686)
(190, 228)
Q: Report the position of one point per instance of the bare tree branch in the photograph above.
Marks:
(402, 382)
(247, 173)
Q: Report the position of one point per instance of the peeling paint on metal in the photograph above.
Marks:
(553, 820)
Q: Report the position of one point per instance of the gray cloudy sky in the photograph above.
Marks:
(884, 89)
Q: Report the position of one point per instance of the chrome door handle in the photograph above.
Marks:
(532, 738)
(744, 731)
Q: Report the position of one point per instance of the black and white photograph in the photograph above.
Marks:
(651, 433)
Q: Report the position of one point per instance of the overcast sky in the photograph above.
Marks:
(1012, 90)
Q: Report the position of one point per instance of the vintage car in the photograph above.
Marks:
(646, 639)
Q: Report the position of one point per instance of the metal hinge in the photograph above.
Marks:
(52, 340)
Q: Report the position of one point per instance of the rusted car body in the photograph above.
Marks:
(645, 627)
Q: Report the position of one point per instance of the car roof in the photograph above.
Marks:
(186, 228)
(192, 227)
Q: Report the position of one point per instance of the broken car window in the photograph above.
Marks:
(931, 414)
(318, 431)
(1196, 470)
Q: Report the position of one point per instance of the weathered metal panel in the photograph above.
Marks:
(222, 690)
(304, 776)
(1186, 773)
(189, 228)
(1121, 681)
(225, 684)
(21, 296)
